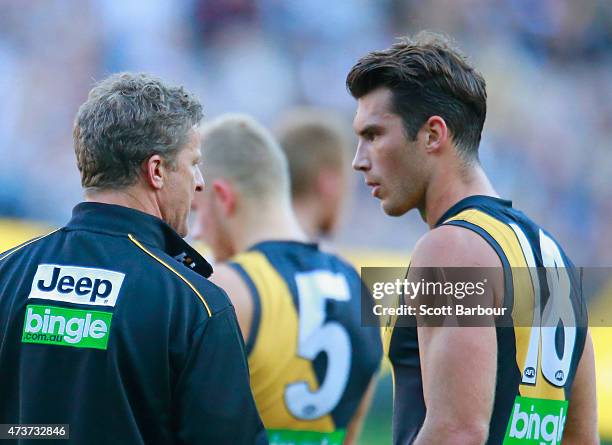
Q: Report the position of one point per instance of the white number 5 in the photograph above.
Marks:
(316, 336)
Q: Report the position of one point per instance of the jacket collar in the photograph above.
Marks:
(148, 229)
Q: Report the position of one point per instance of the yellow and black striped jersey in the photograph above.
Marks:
(309, 357)
(537, 361)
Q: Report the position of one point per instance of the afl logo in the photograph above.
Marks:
(559, 375)
(529, 372)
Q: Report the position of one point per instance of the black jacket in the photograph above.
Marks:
(109, 325)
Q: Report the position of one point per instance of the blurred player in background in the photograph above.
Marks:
(317, 146)
(312, 366)
(420, 113)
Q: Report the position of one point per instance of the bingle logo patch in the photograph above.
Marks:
(536, 422)
(81, 285)
(50, 325)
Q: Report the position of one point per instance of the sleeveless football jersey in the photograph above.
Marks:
(537, 361)
(310, 360)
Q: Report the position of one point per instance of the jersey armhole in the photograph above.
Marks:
(252, 338)
(508, 301)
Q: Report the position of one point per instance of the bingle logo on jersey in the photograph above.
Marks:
(82, 285)
(536, 422)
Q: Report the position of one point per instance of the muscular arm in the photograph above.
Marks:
(458, 385)
(458, 364)
(581, 424)
(229, 280)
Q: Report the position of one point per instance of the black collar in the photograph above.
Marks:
(148, 229)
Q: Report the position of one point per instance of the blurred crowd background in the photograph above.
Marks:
(547, 63)
(548, 66)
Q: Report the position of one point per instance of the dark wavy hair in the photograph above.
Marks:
(427, 77)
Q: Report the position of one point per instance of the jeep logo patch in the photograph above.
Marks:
(81, 285)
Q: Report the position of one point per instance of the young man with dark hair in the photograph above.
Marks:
(421, 110)
(109, 324)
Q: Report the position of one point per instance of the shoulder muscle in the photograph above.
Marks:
(452, 246)
(238, 292)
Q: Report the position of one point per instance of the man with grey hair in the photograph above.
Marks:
(312, 364)
(109, 325)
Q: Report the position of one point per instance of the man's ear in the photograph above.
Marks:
(155, 172)
(436, 133)
(226, 196)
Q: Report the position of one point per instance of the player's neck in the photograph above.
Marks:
(307, 214)
(273, 224)
(450, 186)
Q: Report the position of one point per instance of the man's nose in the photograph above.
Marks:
(361, 161)
(199, 183)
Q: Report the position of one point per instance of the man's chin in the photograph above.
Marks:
(394, 210)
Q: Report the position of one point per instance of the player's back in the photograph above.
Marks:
(537, 357)
(310, 359)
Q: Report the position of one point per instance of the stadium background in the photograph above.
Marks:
(546, 142)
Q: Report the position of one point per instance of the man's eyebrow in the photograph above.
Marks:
(369, 128)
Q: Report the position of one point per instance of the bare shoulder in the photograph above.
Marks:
(238, 292)
(230, 281)
(453, 246)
